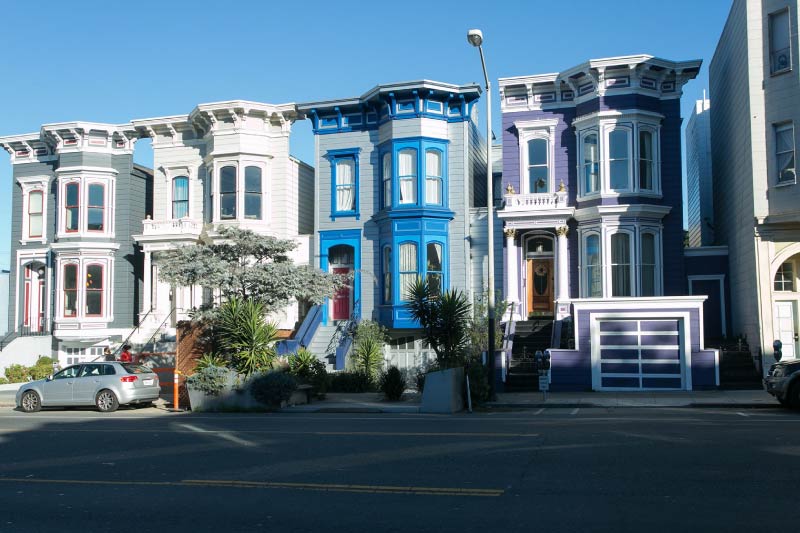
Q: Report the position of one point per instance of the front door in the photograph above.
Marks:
(540, 286)
(784, 328)
(341, 300)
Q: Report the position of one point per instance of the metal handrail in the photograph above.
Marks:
(344, 328)
(133, 331)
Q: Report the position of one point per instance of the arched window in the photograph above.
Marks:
(345, 185)
(646, 160)
(784, 277)
(407, 175)
(433, 268)
(227, 193)
(252, 193)
(94, 290)
(408, 268)
(433, 177)
(594, 283)
(35, 213)
(387, 179)
(591, 164)
(538, 175)
(386, 266)
(70, 287)
(619, 159)
(648, 264)
(95, 210)
(180, 197)
(620, 264)
(72, 206)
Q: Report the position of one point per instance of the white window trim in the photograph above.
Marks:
(24, 257)
(84, 180)
(605, 158)
(177, 171)
(108, 285)
(659, 277)
(608, 233)
(777, 128)
(655, 131)
(34, 184)
(240, 163)
(582, 194)
(529, 130)
(583, 235)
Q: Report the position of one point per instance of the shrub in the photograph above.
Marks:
(393, 384)
(301, 363)
(419, 379)
(210, 380)
(320, 379)
(42, 368)
(210, 359)
(17, 373)
(246, 335)
(478, 381)
(369, 340)
(3, 381)
(351, 382)
(273, 388)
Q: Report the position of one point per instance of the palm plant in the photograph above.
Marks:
(444, 319)
(244, 333)
(369, 356)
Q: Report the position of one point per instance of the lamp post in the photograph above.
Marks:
(475, 38)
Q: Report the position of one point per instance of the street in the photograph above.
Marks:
(588, 469)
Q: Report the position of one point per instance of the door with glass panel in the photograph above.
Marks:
(785, 328)
(340, 259)
(539, 277)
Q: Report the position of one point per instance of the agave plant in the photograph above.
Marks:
(369, 356)
(244, 333)
(210, 359)
(302, 362)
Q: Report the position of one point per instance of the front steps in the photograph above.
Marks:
(530, 336)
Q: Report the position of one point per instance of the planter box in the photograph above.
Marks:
(443, 392)
(230, 398)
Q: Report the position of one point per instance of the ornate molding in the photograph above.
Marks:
(510, 233)
(562, 231)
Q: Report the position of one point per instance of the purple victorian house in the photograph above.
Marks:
(594, 261)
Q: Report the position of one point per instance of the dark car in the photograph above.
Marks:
(783, 382)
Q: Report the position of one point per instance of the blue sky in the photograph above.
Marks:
(102, 62)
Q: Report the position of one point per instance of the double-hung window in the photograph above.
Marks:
(345, 177)
(646, 160)
(227, 193)
(648, 264)
(619, 160)
(252, 193)
(433, 177)
(95, 208)
(408, 268)
(35, 214)
(407, 175)
(784, 153)
(591, 164)
(387, 179)
(538, 166)
(180, 197)
(780, 42)
(94, 290)
(594, 280)
(70, 284)
(72, 207)
(387, 274)
(434, 267)
(620, 264)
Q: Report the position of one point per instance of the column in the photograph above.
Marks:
(148, 284)
(562, 294)
(512, 275)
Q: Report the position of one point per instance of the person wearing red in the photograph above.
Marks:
(126, 356)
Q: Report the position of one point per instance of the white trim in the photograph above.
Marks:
(713, 277)
(31, 184)
(81, 320)
(527, 131)
(606, 212)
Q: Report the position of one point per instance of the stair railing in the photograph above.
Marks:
(345, 329)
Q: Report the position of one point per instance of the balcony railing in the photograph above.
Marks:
(535, 202)
(178, 226)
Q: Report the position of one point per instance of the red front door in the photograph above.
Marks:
(341, 300)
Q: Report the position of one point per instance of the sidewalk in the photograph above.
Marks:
(717, 398)
(368, 402)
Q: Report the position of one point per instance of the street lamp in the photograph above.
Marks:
(475, 38)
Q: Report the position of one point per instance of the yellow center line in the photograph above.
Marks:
(324, 487)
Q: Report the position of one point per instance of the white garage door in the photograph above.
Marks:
(639, 355)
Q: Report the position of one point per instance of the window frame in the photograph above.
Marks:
(431, 177)
(441, 271)
(102, 208)
(386, 275)
(413, 178)
(260, 192)
(783, 281)
(773, 71)
(400, 273)
(657, 289)
(630, 264)
(28, 234)
(334, 157)
(586, 283)
(607, 183)
(583, 163)
(64, 289)
(386, 179)
(76, 207)
(87, 290)
(777, 129)
(652, 162)
(528, 131)
(174, 202)
(221, 194)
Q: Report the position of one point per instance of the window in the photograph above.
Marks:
(227, 193)
(648, 264)
(779, 42)
(434, 267)
(538, 176)
(387, 274)
(180, 197)
(252, 193)
(345, 179)
(784, 278)
(95, 212)
(70, 284)
(593, 270)
(618, 156)
(72, 206)
(646, 160)
(620, 264)
(433, 177)
(407, 175)
(35, 213)
(591, 165)
(387, 179)
(94, 290)
(784, 153)
(408, 268)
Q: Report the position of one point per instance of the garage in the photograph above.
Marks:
(631, 354)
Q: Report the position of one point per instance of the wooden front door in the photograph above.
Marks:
(540, 286)
(341, 300)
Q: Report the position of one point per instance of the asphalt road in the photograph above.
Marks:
(545, 470)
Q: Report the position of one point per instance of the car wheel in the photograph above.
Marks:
(106, 401)
(794, 396)
(30, 402)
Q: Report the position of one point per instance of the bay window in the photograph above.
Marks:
(407, 175)
(619, 160)
(621, 264)
(387, 179)
(538, 166)
(72, 207)
(646, 160)
(591, 164)
(648, 264)
(433, 177)
(252, 193)
(70, 289)
(386, 267)
(408, 268)
(434, 267)
(227, 193)
(180, 197)
(95, 210)
(94, 290)
(35, 214)
(594, 283)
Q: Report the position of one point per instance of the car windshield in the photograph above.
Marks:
(136, 369)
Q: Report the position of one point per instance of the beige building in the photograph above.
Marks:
(755, 91)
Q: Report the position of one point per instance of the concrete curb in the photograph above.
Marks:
(353, 410)
(693, 405)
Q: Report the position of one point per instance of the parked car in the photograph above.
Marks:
(106, 385)
(783, 382)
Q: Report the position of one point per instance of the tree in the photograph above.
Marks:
(444, 319)
(245, 335)
(247, 265)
